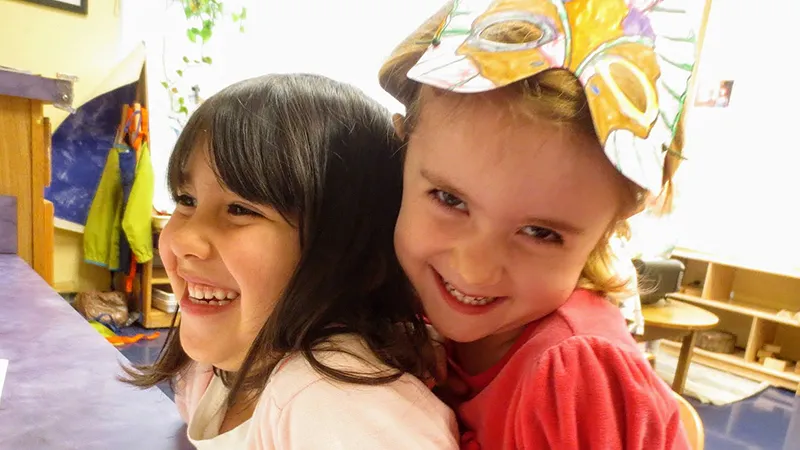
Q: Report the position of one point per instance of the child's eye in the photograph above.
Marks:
(239, 210)
(543, 234)
(448, 200)
(185, 200)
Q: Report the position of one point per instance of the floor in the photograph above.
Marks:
(768, 421)
(146, 352)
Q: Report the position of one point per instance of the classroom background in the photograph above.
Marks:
(93, 94)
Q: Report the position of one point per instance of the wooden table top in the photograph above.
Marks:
(678, 316)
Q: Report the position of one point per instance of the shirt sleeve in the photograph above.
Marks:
(403, 415)
(587, 393)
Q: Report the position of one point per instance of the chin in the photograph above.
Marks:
(454, 328)
(204, 351)
(459, 335)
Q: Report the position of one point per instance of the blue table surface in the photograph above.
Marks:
(61, 389)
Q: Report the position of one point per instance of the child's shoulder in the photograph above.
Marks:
(404, 411)
(295, 376)
(588, 320)
(586, 336)
(589, 313)
(589, 371)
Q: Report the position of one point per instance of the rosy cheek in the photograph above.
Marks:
(165, 249)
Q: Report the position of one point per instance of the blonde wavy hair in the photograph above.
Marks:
(555, 95)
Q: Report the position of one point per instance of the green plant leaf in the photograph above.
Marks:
(179, 72)
(181, 101)
(205, 33)
(207, 59)
(187, 10)
(192, 34)
(241, 29)
(184, 110)
(243, 14)
(164, 83)
(235, 17)
(186, 59)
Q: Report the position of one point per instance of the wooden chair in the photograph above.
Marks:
(692, 423)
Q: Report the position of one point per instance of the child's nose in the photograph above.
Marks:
(478, 261)
(192, 240)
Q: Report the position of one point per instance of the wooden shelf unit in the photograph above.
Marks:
(25, 161)
(747, 298)
(767, 314)
(152, 317)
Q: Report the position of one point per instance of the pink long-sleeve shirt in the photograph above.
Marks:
(300, 409)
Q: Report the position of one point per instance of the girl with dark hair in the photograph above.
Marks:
(298, 328)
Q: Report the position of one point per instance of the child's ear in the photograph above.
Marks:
(399, 125)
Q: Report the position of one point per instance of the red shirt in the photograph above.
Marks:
(574, 379)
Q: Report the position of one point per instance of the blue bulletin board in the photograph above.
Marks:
(79, 149)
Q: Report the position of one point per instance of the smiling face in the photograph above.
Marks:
(228, 261)
(499, 214)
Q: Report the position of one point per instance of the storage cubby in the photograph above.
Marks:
(152, 277)
(759, 304)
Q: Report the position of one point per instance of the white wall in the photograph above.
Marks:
(740, 187)
(345, 39)
(738, 191)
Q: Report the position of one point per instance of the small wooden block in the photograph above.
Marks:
(797, 368)
(785, 314)
(775, 364)
(771, 348)
(764, 354)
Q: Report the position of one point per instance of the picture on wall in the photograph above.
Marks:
(76, 6)
(714, 95)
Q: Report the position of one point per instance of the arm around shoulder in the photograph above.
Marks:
(587, 393)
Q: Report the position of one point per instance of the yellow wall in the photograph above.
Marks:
(48, 41)
(70, 273)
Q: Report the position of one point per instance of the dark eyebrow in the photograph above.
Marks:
(555, 224)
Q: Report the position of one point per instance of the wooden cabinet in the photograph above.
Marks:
(25, 160)
(759, 304)
(152, 317)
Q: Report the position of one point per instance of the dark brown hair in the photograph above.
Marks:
(325, 156)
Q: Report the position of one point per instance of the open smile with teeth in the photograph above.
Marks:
(467, 299)
(202, 294)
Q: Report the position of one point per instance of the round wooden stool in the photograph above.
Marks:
(671, 317)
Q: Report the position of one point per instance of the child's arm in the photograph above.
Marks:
(589, 394)
(401, 415)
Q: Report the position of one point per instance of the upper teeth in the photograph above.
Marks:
(468, 299)
(201, 292)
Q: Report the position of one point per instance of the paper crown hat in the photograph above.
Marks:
(622, 51)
